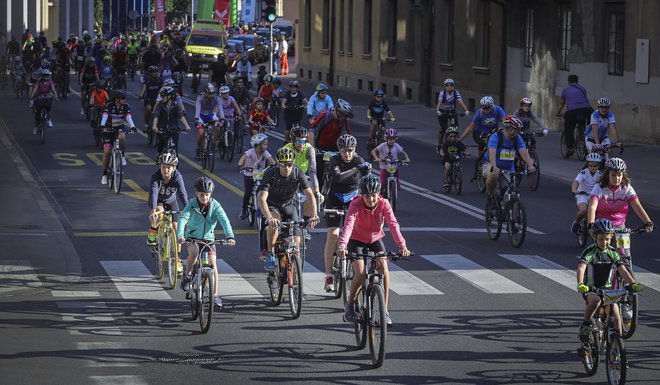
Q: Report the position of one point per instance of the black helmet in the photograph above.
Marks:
(298, 132)
(119, 94)
(369, 184)
(204, 184)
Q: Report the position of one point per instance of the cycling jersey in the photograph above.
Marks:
(293, 102)
(487, 122)
(527, 119)
(254, 162)
(587, 181)
(329, 130)
(89, 74)
(282, 189)
(106, 72)
(133, 49)
(266, 92)
(198, 226)
(302, 158)
(342, 181)
(316, 105)
(505, 152)
(603, 124)
(206, 106)
(99, 98)
(384, 151)
(448, 100)
(259, 117)
(152, 87)
(366, 224)
(377, 109)
(161, 192)
(613, 202)
(168, 114)
(599, 265)
(228, 106)
(244, 69)
(118, 115)
(44, 87)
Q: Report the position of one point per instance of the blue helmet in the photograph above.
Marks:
(603, 226)
(379, 92)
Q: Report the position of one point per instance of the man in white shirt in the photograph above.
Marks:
(284, 62)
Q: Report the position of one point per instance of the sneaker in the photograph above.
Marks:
(152, 236)
(104, 179)
(50, 124)
(244, 214)
(217, 301)
(270, 262)
(308, 235)
(575, 227)
(185, 283)
(329, 284)
(82, 112)
(585, 329)
(388, 320)
(34, 131)
(349, 313)
(123, 160)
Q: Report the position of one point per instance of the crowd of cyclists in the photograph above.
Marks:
(602, 189)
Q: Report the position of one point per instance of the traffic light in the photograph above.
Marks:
(268, 12)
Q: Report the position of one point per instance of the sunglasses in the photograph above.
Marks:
(379, 97)
(347, 150)
(301, 141)
(449, 85)
(286, 164)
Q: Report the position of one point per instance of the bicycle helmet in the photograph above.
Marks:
(119, 94)
(603, 102)
(90, 60)
(344, 108)
(346, 140)
(258, 139)
(369, 184)
(204, 184)
(224, 90)
(168, 82)
(525, 100)
(285, 155)
(294, 83)
(209, 88)
(298, 132)
(152, 69)
(277, 81)
(45, 72)
(100, 84)
(321, 87)
(486, 102)
(379, 92)
(268, 78)
(603, 226)
(168, 157)
(391, 133)
(451, 130)
(616, 164)
(106, 58)
(594, 157)
(513, 121)
(449, 82)
(166, 91)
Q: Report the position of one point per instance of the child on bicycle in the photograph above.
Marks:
(376, 111)
(97, 98)
(389, 150)
(201, 215)
(451, 147)
(363, 227)
(258, 117)
(601, 124)
(582, 185)
(597, 261)
(255, 158)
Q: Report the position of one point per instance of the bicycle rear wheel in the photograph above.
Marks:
(458, 181)
(517, 222)
(360, 323)
(589, 352)
(534, 178)
(563, 147)
(492, 218)
(582, 233)
(116, 171)
(230, 145)
(275, 284)
(206, 300)
(616, 361)
(295, 280)
(479, 177)
(172, 258)
(377, 326)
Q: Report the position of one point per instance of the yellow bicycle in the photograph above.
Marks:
(166, 251)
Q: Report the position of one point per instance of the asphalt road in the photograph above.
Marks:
(466, 309)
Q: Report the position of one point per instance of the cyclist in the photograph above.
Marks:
(595, 271)
(244, 69)
(218, 71)
(133, 49)
(363, 227)
(345, 169)
(527, 117)
(165, 187)
(230, 108)
(391, 150)
(277, 199)
(502, 148)
(43, 91)
(329, 126)
(376, 111)
(446, 108)
(451, 146)
(149, 92)
(574, 97)
(166, 118)
(485, 121)
(98, 97)
(259, 117)
(79, 53)
(115, 117)
(585, 182)
(240, 93)
(106, 73)
(198, 220)
(88, 75)
(319, 102)
(255, 158)
(602, 121)
(293, 103)
(611, 196)
(268, 91)
(119, 61)
(208, 109)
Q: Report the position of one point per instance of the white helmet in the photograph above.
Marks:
(594, 157)
(258, 139)
(487, 101)
(168, 157)
(224, 90)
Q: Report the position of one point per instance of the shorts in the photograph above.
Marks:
(580, 199)
(288, 212)
(486, 169)
(193, 251)
(334, 220)
(172, 206)
(208, 118)
(589, 142)
(376, 246)
(108, 135)
(149, 102)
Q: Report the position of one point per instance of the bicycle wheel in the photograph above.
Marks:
(377, 327)
(159, 255)
(337, 281)
(582, 233)
(616, 361)
(449, 181)
(534, 178)
(295, 279)
(43, 125)
(230, 145)
(589, 352)
(206, 291)
(458, 181)
(203, 152)
(349, 273)
(150, 136)
(221, 148)
(238, 138)
(116, 172)
(211, 157)
(251, 212)
(275, 285)
(517, 222)
(580, 146)
(629, 310)
(479, 177)
(391, 194)
(194, 301)
(563, 147)
(492, 218)
(172, 258)
(360, 324)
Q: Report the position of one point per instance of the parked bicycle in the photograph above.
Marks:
(505, 207)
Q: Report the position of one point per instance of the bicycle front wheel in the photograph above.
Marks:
(229, 143)
(43, 127)
(493, 219)
(377, 328)
(172, 258)
(337, 280)
(391, 194)
(589, 352)
(534, 178)
(206, 291)
(629, 310)
(160, 255)
(275, 285)
(116, 171)
(221, 149)
(347, 281)
(616, 361)
(211, 157)
(517, 222)
(295, 279)
(458, 181)
(360, 324)
(479, 177)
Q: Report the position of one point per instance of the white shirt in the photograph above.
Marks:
(586, 181)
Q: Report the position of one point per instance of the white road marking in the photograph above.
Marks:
(314, 280)
(476, 275)
(232, 284)
(546, 268)
(134, 281)
(75, 293)
(647, 278)
(405, 283)
(118, 380)
(108, 354)
(17, 274)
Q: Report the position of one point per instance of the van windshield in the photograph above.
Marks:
(205, 40)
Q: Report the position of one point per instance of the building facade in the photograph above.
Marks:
(504, 48)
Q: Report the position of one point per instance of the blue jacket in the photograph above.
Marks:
(316, 105)
(197, 223)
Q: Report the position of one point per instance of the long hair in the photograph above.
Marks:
(605, 178)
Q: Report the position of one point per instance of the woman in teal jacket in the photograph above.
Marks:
(198, 220)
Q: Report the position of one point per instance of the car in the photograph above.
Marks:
(256, 49)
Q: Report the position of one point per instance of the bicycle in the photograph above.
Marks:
(95, 118)
(506, 207)
(115, 170)
(226, 144)
(342, 271)
(605, 151)
(273, 109)
(132, 66)
(583, 231)
(605, 337)
(207, 148)
(202, 284)
(325, 185)
(379, 138)
(455, 174)
(288, 268)
(254, 214)
(61, 81)
(370, 307)
(166, 251)
(533, 178)
(579, 140)
(151, 137)
(478, 177)
(239, 135)
(391, 188)
(42, 116)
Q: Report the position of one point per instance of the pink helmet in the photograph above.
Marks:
(391, 133)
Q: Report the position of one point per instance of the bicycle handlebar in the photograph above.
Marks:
(190, 241)
(640, 230)
(335, 211)
(370, 254)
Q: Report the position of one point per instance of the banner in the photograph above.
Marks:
(205, 9)
(233, 10)
(159, 7)
(221, 11)
(248, 11)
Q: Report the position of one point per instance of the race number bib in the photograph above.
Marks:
(507, 155)
(623, 241)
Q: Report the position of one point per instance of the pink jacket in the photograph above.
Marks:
(366, 225)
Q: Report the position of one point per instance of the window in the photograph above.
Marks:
(308, 23)
(342, 19)
(366, 36)
(349, 40)
(410, 30)
(564, 35)
(392, 16)
(615, 29)
(529, 38)
(483, 37)
(326, 24)
(447, 28)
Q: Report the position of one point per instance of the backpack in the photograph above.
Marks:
(500, 138)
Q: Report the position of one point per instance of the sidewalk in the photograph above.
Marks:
(37, 252)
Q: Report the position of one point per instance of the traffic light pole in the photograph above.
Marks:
(272, 46)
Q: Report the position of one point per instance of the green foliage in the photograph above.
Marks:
(177, 9)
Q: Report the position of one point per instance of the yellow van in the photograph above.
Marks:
(206, 40)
